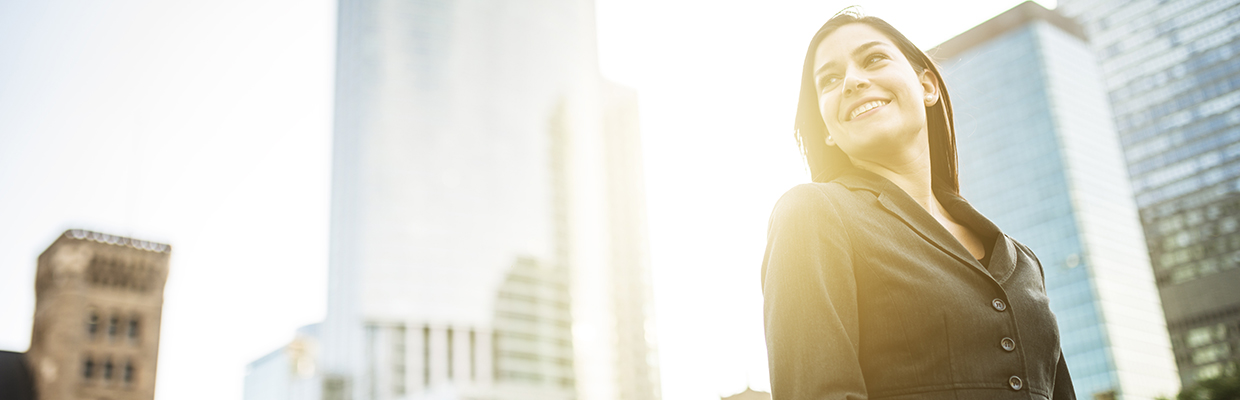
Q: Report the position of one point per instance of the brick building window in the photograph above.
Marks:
(132, 332)
(128, 374)
(92, 324)
(88, 368)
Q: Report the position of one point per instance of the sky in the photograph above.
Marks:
(207, 125)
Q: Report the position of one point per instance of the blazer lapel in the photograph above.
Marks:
(1003, 257)
(898, 203)
(1003, 262)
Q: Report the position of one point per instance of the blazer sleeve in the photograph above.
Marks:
(810, 300)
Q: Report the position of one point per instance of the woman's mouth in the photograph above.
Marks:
(864, 108)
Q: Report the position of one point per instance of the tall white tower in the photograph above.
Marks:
(476, 249)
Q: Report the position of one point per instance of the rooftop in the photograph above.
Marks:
(82, 234)
(1022, 14)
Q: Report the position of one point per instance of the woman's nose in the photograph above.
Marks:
(854, 83)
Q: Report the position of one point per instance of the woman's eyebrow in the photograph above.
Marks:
(856, 52)
(862, 48)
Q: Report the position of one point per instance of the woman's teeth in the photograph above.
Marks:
(865, 107)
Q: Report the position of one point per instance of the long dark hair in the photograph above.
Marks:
(828, 162)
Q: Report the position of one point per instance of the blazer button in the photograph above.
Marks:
(1008, 344)
(1015, 382)
(998, 304)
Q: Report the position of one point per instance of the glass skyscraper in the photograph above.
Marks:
(1039, 156)
(1172, 71)
(487, 216)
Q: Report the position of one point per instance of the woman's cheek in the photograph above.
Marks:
(822, 112)
(826, 109)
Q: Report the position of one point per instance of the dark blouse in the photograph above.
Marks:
(985, 260)
(867, 297)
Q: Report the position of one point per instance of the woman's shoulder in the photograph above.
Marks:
(1022, 248)
(811, 213)
(806, 195)
(816, 195)
(814, 200)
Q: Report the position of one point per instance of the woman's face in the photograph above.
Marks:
(871, 99)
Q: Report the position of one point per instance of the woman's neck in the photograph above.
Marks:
(912, 174)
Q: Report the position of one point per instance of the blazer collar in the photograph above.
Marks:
(900, 204)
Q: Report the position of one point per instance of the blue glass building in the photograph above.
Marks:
(1172, 72)
(1040, 157)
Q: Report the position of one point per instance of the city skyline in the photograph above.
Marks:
(203, 186)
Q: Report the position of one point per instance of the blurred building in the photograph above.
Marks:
(748, 394)
(287, 372)
(484, 174)
(1173, 76)
(1040, 157)
(98, 304)
(631, 299)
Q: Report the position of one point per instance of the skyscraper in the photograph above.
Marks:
(487, 228)
(631, 300)
(1171, 70)
(1039, 156)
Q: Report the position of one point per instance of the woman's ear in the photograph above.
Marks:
(930, 84)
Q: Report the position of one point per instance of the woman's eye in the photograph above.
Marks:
(875, 58)
(830, 80)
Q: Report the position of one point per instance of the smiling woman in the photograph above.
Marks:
(879, 280)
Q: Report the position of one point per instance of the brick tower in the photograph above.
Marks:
(98, 300)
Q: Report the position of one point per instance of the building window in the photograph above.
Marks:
(398, 360)
(92, 325)
(1205, 335)
(450, 355)
(128, 374)
(88, 368)
(1212, 353)
(112, 327)
(1208, 372)
(473, 343)
(426, 356)
(495, 343)
(107, 370)
(132, 332)
(371, 354)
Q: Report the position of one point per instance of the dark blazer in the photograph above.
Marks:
(867, 296)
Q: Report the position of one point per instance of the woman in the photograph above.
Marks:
(879, 280)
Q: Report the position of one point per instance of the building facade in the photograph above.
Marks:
(98, 304)
(288, 372)
(628, 263)
(1173, 78)
(475, 191)
(1038, 154)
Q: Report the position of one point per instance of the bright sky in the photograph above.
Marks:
(207, 125)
